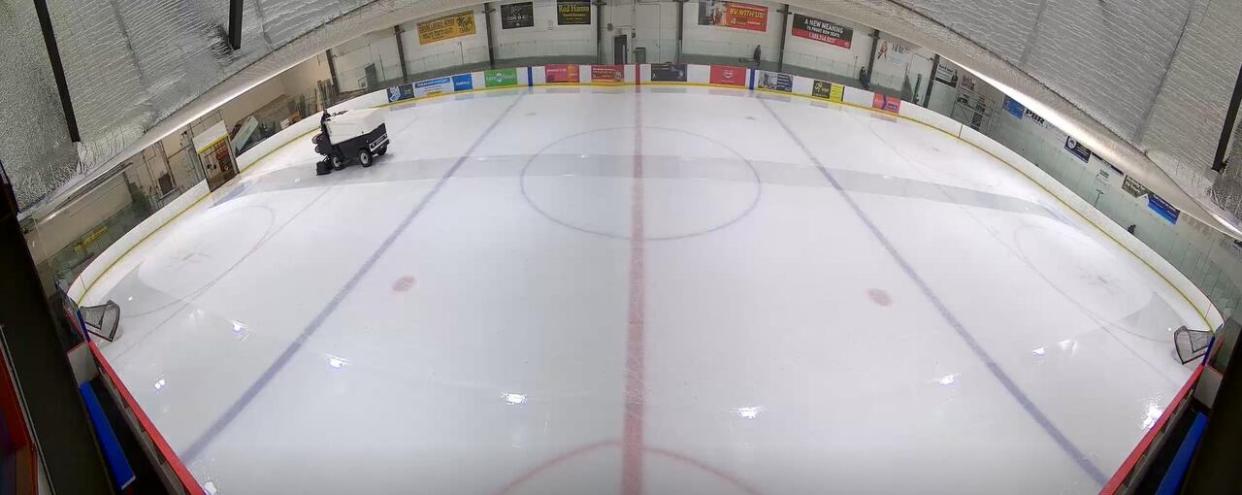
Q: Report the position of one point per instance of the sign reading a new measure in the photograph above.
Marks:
(822, 31)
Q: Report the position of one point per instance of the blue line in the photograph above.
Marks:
(1013, 389)
(530, 77)
(196, 448)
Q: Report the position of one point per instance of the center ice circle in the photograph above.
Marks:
(691, 184)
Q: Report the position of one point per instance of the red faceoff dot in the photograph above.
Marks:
(403, 284)
(879, 296)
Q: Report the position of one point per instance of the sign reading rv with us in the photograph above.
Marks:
(733, 14)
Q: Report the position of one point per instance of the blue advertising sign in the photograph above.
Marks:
(431, 87)
(1077, 149)
(1014, 108)
(1163, 208)
(463, 82)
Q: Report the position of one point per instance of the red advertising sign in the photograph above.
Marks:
(728, 75)
(608, 74)
(733, 14)
(560, 73)
(821, 30)
(886, 103)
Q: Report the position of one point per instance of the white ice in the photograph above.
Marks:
(939, 324)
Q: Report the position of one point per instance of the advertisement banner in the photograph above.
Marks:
(828, 91)
(1014, 108)
(728, 75)
(500, 78)
(400, 92)
(946, 74)
(1036, 118)
(215, 152)
(1134, 187)
(822, 31)
(447, 27)
(1163, 208)
(886, 103)
(432, 87)
(561, 73)
(668, 72)
(573, 12)
(607, 74)
(1077, 149)
(892, 51)
(733, 14)
(517, 15)
(463, 82)
(774, 81)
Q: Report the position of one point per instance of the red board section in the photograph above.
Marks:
(561, 73)
(1127, 467)
(174, 462)
(886, 103)
(19, 444)
(728, 75)
(607, 74)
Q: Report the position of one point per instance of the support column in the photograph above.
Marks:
(932, 79)
(599, 31)
(236, 8)
(336, 83)
(405, 72)
(681, 27)
(491, 35)
(1231, 115)
(58, 69)
(780, 52)
(875, 45)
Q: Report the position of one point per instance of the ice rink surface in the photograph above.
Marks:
(672, 290)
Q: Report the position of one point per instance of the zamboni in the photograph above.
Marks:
(350, 136)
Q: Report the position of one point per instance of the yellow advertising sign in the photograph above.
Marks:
(446, 28)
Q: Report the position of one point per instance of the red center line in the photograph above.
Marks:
(632, 436)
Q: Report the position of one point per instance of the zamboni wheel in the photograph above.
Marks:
(382, 150)
(337, 164)
(364, 157)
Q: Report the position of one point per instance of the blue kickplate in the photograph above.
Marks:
(114, 455)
